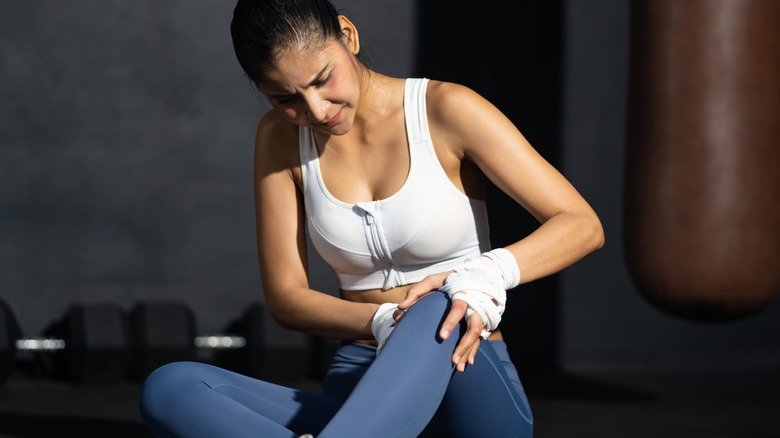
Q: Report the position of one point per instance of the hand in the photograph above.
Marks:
(421, 288)
(468, 345)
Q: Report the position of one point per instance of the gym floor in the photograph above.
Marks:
(626, 404)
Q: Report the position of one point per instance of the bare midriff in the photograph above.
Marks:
(394, 295)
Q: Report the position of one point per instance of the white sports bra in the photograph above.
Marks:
(427, 226)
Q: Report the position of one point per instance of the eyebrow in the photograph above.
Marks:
(317, 78)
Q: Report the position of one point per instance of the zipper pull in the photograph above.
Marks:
(368, 209)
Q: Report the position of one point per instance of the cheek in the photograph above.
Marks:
(339, 91)
(290, 113)
(336, 82)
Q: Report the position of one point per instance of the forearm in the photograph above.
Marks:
(558, 243)
(324, 315)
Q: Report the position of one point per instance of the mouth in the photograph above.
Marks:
(333, 120)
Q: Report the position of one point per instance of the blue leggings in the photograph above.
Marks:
(410, 389)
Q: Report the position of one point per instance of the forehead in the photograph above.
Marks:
(294, 68)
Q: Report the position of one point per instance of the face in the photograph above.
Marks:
(318, 88)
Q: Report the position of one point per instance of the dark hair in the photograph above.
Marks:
(261, 29)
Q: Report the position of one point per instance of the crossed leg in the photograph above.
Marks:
(396, 397)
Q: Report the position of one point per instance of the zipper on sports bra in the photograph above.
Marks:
(377, 245)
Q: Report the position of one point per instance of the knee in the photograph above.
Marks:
(162, 386)
(436, 302)
(435, 298)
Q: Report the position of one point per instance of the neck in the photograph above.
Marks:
(377, 102)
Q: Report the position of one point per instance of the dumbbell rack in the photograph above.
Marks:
(102, 343)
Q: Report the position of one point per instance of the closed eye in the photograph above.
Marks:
(284, 100)
(324, 80)
(287, 99)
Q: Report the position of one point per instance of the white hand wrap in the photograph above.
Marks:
(482, 283)
(383, 323)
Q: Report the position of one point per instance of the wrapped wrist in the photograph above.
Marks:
(383, 323)
(506, 265)
(482, 283)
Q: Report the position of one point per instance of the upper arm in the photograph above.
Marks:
(281, 242)
(475, 129)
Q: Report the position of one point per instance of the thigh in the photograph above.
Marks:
(486, 400)
(198, 399)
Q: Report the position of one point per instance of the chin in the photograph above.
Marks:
(338, 130)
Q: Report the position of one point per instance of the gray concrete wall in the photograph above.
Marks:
(126, 134)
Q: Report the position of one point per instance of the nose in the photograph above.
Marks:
(317, 108)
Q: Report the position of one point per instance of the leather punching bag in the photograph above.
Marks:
(702, 175)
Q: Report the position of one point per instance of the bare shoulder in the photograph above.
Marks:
(276, 143)
(448, 100)
(459, 114)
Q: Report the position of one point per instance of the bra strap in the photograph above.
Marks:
(414, 109)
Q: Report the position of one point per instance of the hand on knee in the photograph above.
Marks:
(482, 283)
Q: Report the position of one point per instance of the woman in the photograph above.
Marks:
(385, 174)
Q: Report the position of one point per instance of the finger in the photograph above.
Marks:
(468, 358)
(421, 288)
(474, 350)
(398, 314)
(463, 351)
(413, 294)
(453, 318)
(476, 321)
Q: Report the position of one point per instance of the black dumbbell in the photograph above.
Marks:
(272, 353)
(163, 331)
(88, 344)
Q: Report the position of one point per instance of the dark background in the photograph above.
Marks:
(126, 132)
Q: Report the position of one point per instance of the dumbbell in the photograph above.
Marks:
(87, 344)
(164, 331)
(93, 343)
(273, 353)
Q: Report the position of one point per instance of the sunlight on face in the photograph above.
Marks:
(315, 87)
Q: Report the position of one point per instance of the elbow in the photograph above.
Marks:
(283, 320)
(282, 315)
(595, 233)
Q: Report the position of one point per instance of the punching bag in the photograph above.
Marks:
(702, 172)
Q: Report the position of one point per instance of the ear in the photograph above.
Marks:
(350, 36)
